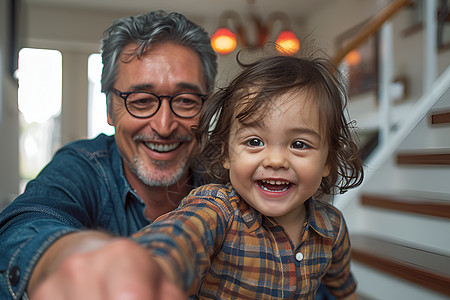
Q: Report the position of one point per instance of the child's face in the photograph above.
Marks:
(279, 163)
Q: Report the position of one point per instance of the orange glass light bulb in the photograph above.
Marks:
(353, 58)
(223, 41)
(287, 43)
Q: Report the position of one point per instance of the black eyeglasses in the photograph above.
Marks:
(146, 104)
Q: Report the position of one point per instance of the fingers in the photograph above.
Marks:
(170, 291)
(120, 270)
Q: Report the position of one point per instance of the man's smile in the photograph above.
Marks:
(162, 147)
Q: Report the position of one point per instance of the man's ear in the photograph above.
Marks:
(110, 119)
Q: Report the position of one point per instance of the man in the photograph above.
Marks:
(58, 237)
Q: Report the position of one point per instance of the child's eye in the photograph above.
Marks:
(255, 143)
(299, 145)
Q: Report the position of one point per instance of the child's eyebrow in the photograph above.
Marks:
(249, 125)
(298, 130)
(308, 131)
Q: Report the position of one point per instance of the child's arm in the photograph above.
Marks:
(183, 241)
(352, 296)
(339, 280)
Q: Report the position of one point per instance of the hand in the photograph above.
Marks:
(116, 269)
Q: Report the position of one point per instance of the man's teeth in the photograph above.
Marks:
(162, 148)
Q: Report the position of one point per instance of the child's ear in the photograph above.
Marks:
(326, 169)
(226, 163)
(226, 158)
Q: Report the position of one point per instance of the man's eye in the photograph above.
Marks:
(299, 145)
(143, 101)
(255, 143)
(187, 100)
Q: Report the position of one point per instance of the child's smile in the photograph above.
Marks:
(277, 186)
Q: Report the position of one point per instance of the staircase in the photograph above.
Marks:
(399, 218)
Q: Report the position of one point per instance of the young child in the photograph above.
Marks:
(280, 137)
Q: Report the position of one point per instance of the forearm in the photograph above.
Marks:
(352, 296)
(182, 244)
(61, 249)
(182, 258)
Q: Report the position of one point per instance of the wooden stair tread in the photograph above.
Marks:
(440, 118)
(423, 267)
(364, 297)
(424, 157)
(407, 203)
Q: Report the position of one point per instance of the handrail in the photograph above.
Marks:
(370, 28)
(381, 155)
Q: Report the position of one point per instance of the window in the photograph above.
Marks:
(97, 120)
(39, 97)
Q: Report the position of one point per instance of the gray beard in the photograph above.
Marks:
(140, 170)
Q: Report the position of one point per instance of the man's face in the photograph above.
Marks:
(156, 149)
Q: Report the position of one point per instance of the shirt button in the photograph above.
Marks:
(14, 275)
(299, 256)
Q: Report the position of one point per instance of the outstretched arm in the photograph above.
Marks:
(184, 240)
(351, 297)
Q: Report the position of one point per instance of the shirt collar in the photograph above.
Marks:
(251, 217)
(319, 220)
(122, 182)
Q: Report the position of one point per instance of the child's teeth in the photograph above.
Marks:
(277, 182)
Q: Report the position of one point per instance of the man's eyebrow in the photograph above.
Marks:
(181, 86)
(189, 86)
(142, 87)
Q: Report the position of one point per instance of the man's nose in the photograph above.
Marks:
(164, 122)
(275, 157)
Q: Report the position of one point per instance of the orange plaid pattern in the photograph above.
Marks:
(217, 246)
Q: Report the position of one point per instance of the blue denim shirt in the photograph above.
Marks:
(83, 187)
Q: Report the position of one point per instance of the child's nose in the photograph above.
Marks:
(275, 158)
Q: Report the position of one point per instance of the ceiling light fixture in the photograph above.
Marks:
(224, 40)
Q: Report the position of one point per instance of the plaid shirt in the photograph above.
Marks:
(217, 246)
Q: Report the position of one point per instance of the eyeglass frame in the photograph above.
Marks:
(125, 95)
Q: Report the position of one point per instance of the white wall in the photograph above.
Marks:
(77, 34)
(9, 129)
(408, 53)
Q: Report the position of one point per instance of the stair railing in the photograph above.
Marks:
(433, 89)
(370, 28)
(383, 153)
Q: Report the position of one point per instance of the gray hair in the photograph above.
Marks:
(151, 28)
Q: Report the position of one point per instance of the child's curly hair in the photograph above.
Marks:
(252, 92)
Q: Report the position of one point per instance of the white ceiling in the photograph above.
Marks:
(192, 7)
